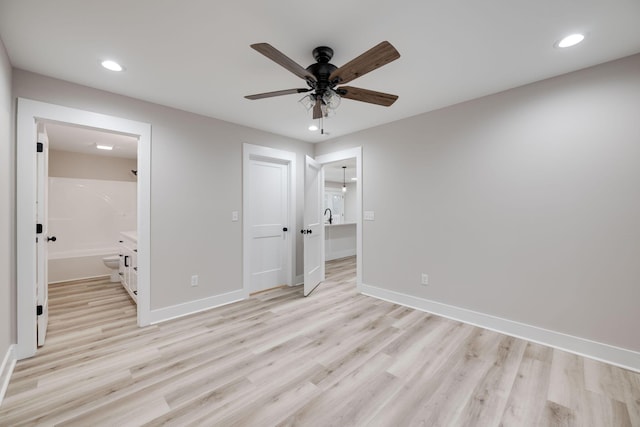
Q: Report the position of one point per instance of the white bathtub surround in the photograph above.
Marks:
(86, 216)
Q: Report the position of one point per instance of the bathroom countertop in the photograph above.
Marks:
(337, 225)
(131, 235)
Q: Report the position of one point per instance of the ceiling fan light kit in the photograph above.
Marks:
(323, 78)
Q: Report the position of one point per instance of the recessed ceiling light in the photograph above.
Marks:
(313, 128)
(111, 65)
(104, 147)
(571, 40)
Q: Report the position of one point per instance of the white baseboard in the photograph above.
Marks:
(624, 358)
(6, 369)
(191, 307)
(299, 280)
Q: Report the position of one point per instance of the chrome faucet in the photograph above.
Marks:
(330, 215)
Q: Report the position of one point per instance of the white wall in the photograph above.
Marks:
(523, 205)
(196, 175)
(7, 205)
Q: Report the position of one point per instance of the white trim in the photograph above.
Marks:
(28, 113)
(350, 153)
(6, 369)
(250, 151)
(192, 307)
(617, 356)
(299, 280)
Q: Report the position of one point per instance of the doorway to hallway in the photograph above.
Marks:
(343, 221)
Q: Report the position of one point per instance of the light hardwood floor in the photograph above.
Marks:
(336, 358)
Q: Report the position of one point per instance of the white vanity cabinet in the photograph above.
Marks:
(128, 269)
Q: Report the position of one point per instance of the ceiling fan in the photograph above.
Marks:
(323, 77)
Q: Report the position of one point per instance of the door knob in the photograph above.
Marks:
(51, 239)
(309, 231)
(285, 229)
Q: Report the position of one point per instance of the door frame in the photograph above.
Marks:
(249, 152)
(350, 153)
(29, 112)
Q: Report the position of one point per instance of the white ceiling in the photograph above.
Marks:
(195, 55)
(84, 140)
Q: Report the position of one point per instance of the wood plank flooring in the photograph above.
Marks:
(336, 358)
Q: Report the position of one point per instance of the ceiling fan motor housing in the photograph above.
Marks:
(322, 69)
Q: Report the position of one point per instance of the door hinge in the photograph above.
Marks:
(39, 147)
(39, 310)
(38, 228)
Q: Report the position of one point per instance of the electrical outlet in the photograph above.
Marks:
(194, 280)
(234, 216)
(425, 279)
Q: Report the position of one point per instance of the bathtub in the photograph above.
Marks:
(79, 264)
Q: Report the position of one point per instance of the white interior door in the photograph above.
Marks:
(42, 238)
(313, 230)
(268, 228)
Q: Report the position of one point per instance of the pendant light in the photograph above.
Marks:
(344, 180)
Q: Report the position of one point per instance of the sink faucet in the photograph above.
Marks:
(330, 215)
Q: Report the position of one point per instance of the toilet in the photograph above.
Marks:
(113, 262)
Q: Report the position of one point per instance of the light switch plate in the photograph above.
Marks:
(424, 279)
(234, 216)
(369, 216)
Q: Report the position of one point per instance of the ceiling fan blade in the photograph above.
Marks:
(280, 58)
(276, 93)
(317, 109)
(374, 58)
(365, 95)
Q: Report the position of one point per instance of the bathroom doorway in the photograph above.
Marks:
(30, 115)
(342, 209)
(92, 198)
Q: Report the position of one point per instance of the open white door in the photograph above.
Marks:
(42, 237)
(313, 230)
